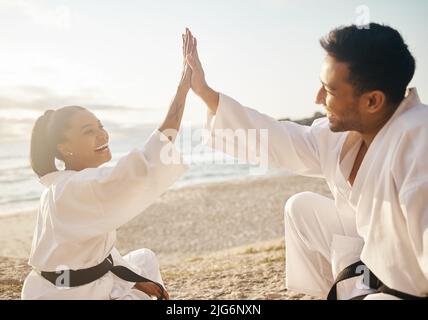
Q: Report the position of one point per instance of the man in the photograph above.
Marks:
(371, 148)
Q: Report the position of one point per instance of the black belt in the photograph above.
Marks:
(359, 268)
(76, 278)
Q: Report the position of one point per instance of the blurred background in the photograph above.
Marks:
(122, 60)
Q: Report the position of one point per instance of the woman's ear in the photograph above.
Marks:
(64, 151)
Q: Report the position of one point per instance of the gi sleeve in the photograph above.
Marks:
(411, 176)
(99, 200)
(285, 145)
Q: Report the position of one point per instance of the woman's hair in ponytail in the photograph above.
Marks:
(48, 132)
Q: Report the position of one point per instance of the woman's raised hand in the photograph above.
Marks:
(186, 75)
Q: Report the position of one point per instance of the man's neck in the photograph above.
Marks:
(370, 135)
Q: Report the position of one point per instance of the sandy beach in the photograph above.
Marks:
(219, 240)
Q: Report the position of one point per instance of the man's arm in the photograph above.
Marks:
(285, 145)
(211, 98)
(254, 137)
(410, 171)
(415, 208)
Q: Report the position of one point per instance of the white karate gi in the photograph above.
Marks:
(78, 216)
(382, 219)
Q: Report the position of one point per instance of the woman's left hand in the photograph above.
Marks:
(152, 290)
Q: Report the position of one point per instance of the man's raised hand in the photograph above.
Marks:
(198, 82)
(192, 58)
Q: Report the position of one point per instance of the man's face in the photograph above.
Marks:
(337, 96)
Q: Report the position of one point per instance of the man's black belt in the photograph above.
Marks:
(359, 268)
(76, 278)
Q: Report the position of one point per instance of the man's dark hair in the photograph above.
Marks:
(378, 59)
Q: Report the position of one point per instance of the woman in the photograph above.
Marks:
(73, 254)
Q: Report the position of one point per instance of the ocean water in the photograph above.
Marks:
(19, 187)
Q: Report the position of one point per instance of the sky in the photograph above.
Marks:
(122, 58)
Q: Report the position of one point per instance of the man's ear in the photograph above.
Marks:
(375, 101)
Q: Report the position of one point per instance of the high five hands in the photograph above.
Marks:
(191, 59)
(197, 74)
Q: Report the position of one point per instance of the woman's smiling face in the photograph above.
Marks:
(86, 144)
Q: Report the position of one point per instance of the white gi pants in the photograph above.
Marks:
(142, 261)
(146, 261)
(317, 248)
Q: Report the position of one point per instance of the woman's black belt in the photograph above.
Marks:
(76, 278)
